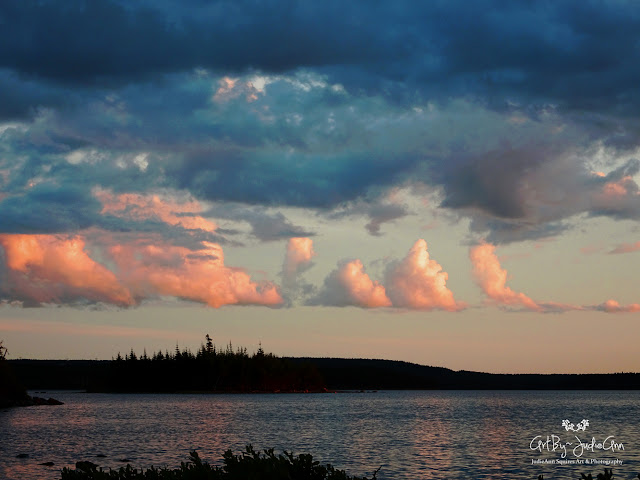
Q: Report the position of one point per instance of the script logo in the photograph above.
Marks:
(572, 450)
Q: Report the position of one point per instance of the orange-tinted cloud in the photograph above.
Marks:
(142, 207)
(626, 248)
(58, 269)
(360, 288)
(230, 88)
(619, 194)
(350, 285)
(225, 89)
(620, 187)
(492, 278)
(611, 306)
(161, 269)
(419, 282)
(298, 256)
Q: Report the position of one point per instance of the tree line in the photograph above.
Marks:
(210, 369)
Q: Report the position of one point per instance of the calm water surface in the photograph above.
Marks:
(412, 435)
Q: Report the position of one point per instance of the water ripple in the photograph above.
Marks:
(411, 435)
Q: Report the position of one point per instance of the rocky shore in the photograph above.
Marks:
(27, 401)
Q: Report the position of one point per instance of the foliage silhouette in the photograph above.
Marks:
(250, 465)
(210, 370)
(607, 475)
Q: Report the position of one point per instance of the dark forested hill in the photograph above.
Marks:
(338, 374)
(342, 373)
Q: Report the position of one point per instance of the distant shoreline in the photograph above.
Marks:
(340, 374)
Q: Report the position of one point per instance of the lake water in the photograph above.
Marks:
(412, 435)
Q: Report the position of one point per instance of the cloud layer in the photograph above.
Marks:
(545, 53)
(52, 269)
(58, 269)
(184, 125)
(419, 282)
(298, 258)
(492, 279)
(349, 285)
(415, 282)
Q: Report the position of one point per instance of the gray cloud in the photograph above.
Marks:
(265, 225)
(497, 106)
(48, 209)
(377, 210)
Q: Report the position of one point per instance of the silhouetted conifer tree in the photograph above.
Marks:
(206, 371)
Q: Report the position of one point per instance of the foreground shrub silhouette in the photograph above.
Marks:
(607, 475)
(250, 465)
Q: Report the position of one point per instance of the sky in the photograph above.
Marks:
(447, 183)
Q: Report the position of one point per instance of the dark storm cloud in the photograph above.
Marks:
(490, 183)
(20, 98)
(580, 55)
(104, 40)
(46, 208)
(496, 105)
(533, 193)
(302, 180)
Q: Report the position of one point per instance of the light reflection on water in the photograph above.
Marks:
(456, 434)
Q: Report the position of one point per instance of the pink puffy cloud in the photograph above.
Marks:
(492, 278)
(58, 269)
(618, 194)
(298, 257)
(161, 269)
(419, 282)
(141, 207)
(626, 248)
(350, 285)
(611, 306)
(416, 282)
(360, 288)
(620, 187)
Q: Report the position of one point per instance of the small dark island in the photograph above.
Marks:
(12, 393)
